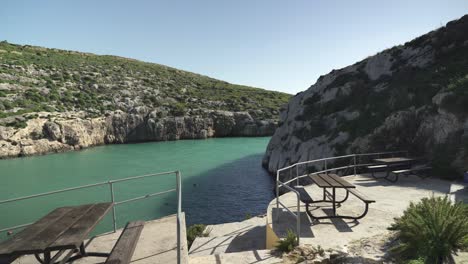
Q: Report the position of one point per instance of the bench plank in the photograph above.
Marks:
(377, 167)
(77, 233)
(361, 196)
(125, 247)
(303, 195)
(21, 239)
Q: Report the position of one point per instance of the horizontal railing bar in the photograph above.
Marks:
(285, 207)
(339, 157)
(317, 172)
(143, 176)
(144, 196)
(14, 227)
(323, 159)
(84, 187)
(52, 192)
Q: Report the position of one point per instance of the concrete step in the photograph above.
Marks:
(244, 257)
(235, 228)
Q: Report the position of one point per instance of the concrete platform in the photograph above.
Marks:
(157, 244)
(244, 257)
(391, 200)
(232, 237)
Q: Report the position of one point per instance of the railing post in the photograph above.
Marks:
(111, 186)
(277, 190)
(298, 219)
(297, 175)
(354, 158)
(179, 211)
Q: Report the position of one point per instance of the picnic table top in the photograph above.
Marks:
(331, 181)
(63, 228)
(393, 160)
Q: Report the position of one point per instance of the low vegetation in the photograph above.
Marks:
(194, 231)
(288, 243)
(34, 79)
(431, 230)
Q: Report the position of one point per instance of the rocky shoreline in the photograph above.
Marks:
(59, 132)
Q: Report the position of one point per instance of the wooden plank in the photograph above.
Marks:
(341, 181)
(304, 196)
(361, 196)
(123, 250)
(48, 235)
(320, 181)
(377, 167)
(393, 160)
(20, 239)
(77, 233)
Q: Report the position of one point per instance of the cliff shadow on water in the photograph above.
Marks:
(230, 192)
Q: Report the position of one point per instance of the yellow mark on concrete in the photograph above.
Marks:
(271, 238)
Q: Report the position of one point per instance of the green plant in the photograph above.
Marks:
(288, 243)
(194, 231)
(247, 216)
(432, 229)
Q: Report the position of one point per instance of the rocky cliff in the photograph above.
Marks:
(410, 97)
(54, 100)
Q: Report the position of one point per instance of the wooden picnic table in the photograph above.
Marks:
(334, 182)
(391, 163)
(64, 229)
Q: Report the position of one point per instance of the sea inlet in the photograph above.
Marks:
(222, 181)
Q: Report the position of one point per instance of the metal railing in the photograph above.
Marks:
(177, 189)
(295, 168)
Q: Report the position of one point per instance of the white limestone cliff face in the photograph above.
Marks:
(58, 132)
(411, 97)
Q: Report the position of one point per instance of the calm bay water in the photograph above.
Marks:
(223, 180)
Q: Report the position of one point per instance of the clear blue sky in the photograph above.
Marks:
(274, 44)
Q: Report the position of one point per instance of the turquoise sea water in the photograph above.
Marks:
(222, 180)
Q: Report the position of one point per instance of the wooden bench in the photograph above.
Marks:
(411, 171)
(376, 168)
(125, 246)
(360, 196)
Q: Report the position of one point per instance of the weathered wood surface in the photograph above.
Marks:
(331, 181)
(79, 231)
(393, 160)
(361, 196)
(28, 234)
(60, 229)
(124, 248)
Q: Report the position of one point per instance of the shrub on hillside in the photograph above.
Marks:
(432, 229)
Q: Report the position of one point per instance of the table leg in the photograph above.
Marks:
(334, 201)
(47, 257)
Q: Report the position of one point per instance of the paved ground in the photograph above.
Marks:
(157, 244)
(233, 243)
(392, 199)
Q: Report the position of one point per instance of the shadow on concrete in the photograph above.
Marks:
(253, 239)
(284, 221)
(340, 225)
